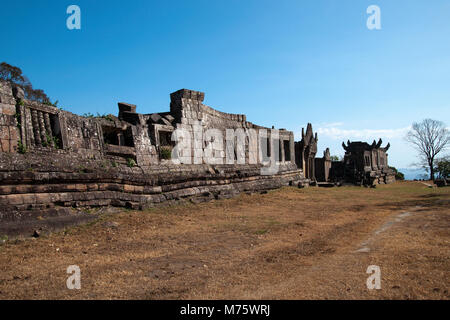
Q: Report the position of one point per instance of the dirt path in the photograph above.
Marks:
(287, 244)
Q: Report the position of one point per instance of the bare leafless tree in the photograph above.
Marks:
(429, 137)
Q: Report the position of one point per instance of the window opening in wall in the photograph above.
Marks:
(287, 150)
(265, 143)
(45, 129)
(165, 138)
(117, 136)
(166, 145)
(367, 160)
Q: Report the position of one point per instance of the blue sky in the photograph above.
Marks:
(282, 63)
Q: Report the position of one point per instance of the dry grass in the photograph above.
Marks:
(287, 244)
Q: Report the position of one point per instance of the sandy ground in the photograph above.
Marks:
(313, 243)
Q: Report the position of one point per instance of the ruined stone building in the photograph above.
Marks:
(367, 163)
(131, 136)
(305, 151)
(53, 161)
(323, 166)
(363, 164)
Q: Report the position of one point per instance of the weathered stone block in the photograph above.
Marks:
(4, 145)
(14, 199)
(13, 134)
(126, 107)
(4, 132)
(9, 110)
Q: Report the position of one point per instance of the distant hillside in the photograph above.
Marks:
(414, 173)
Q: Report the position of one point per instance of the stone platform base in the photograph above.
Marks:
(38, 192)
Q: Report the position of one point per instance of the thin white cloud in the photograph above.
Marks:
(331, 124)
(335, 132)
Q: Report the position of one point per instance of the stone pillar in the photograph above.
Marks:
(29, 128)
(313, 170)
(9, 133)
(63, 130)
(48, 128)
(36, 131)
(42, 128)
(120, 139)
(292, 147)
(23, 126)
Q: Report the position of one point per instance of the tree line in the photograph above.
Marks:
(14, 75)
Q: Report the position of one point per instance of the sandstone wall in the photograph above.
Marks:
(53, 162)
(36, 190)
(9, 133)
(190, 113)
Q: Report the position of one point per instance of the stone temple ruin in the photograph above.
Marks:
(363, 163)
(367, 164)
(53, 161)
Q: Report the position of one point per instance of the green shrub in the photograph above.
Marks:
(166, 153)
(108, 117)
(21, 148)
(50, 141)
(334, 158)
(398, 175)
(443, 168)
(55, 142)
(131, 163)
(18, 120)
